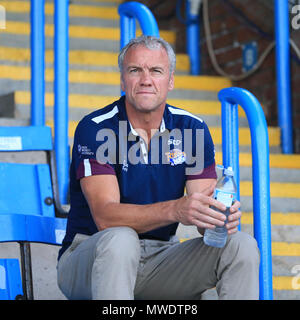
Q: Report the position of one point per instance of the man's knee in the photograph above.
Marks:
(244, 246)
(119, 243)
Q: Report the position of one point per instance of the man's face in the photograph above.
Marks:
(145, 78)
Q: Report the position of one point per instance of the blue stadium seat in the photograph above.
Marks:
(29, 206)
(10, 280)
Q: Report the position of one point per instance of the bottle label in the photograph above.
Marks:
(225, 197)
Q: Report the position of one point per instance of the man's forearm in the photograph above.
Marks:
(141, 218)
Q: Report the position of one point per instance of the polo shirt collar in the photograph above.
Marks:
(163, 125)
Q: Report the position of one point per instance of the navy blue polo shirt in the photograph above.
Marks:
(105, 143)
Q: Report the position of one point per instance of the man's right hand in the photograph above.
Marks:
(194, 209)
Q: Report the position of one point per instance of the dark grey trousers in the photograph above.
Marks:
(114, 264)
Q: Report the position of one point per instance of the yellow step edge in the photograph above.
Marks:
(96, 102)
(278, 248)
(206, 83)
(74, 10)
(244, 136)
(81, 57)
(286, 249)
(286, 283)
(277, 218)
(288, 161)
(87, 32)
(91, 102)
(277, 189)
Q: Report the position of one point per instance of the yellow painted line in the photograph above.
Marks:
(87, 32)
(113, 78)
(209, 83)
(75, 100)
(286, 283)
(278, 248)
(277, 218)
(74, 10)
(244, 136)
(277, 189)
(81, 57)
(291, 161)
(182, 62)
(286, 249)
(201, 107)
(75, 56)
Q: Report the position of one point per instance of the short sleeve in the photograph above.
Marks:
(206, 146)
(84, 154)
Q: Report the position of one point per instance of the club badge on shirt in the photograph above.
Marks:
(176, 156)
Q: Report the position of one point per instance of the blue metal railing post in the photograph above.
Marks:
(129, 11)
(37, 40)
(283, 74)
(230, 140)
(61, 90)
(127, 27)
(193, 39)
(230, 99)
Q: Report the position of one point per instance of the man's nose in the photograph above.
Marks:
(145, 78)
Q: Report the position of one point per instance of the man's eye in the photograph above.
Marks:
(157, 71)
(133, 70)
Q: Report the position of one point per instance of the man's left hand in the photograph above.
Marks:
(233, 218)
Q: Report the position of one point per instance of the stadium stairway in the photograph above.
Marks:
(94, 82)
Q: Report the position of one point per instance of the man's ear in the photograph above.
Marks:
(171, 82)
(122, 83)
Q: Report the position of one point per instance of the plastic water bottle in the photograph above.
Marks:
(224, 192)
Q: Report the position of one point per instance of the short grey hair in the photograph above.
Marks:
(152, 43)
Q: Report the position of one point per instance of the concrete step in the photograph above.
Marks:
(78, 59)
(285, 229)
(205, 83)
(75, 9)
(79, 31)
(106, 90)
(90, 102)
(284, 204)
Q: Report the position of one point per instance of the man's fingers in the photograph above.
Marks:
(217, 204)
(235, 206)
(235, 216)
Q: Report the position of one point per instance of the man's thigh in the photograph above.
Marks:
(74, 268)
(181, 271)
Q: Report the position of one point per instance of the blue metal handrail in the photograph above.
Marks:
(230, 99)
(129, 11)
(61, 90)
(61, 51)
(283, 77)
(37, 40)
(193, 39)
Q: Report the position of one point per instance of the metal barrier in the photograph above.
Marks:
(129, 11)
(193, 35)
(230, 99)
(282, 33)
(61, 51)
(37, 40)
(61, 93)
